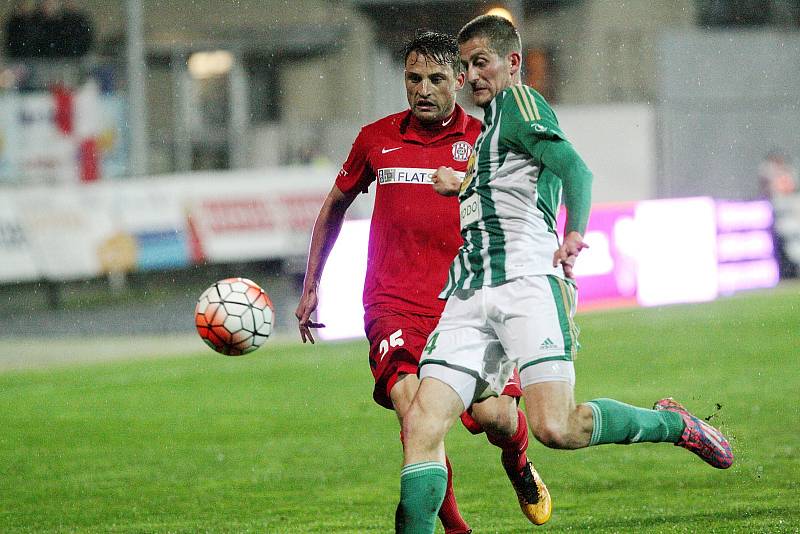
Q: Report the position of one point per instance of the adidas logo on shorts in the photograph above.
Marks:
(547, 344)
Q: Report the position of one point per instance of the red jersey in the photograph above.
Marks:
(414, 233)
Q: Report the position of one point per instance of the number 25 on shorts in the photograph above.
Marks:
(395, 340)
(431, 346)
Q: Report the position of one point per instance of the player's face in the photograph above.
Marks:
(487, 72)
(431, 88)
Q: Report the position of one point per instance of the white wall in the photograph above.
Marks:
(618, 143)
(726, 99)
(606, 51)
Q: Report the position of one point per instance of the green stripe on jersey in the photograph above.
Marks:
(497, 243)
(548, 197)
(513, 233)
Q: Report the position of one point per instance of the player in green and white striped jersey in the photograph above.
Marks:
(510, 295)
(510, 198)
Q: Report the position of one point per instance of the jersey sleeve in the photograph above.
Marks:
(356, 174)
(539, 135)
(560, 158)
(536, 119)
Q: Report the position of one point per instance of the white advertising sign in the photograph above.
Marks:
(16, 261)
(67, 227)
(243, 218)
(676, 251)
(46, 154)
(9, 150)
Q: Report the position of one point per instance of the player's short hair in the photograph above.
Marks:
(441, 48)
(500, 33)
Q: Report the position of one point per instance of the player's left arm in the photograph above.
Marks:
(540, 135)
(561, 158)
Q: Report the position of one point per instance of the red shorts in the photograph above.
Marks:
(396, 340)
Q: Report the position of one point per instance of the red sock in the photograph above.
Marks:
(449, 514)
(513, 447)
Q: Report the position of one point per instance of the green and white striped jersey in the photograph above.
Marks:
(508, 201)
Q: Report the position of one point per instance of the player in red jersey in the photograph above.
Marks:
(414, 236)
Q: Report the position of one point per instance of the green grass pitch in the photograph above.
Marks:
(288, 440)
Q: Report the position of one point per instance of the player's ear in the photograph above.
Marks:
(460, 78)
(514, 59)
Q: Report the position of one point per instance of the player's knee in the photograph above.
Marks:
(402, 394)
(507, 417)
(499, 417)
(420, 429)
(551, 434)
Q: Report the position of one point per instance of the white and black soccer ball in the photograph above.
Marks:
(234, 316)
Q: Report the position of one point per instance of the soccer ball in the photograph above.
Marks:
(234, 316)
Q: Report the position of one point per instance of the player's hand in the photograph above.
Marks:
(568, 252)
(307, 305)
(446, 182)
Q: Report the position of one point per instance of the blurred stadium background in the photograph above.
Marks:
(149, 148)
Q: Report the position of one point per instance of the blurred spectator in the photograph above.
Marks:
(53, 29)
(776, 176)
(777, 179)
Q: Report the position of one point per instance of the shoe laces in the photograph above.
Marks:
(528, 487)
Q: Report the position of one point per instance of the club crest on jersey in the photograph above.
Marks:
(461, 151)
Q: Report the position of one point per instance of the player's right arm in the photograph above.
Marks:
(323, 237)
(446, 182)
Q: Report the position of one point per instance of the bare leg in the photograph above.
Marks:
(554, 418)
(402, 394)
(428, 420)
(423, 479)
(506, 428)
(497, 415)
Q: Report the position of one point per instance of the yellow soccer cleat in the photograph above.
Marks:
(533, 495)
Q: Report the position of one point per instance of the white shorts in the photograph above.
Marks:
(483, 333)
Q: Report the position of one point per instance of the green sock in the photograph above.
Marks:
(617, 422)
(422, 488)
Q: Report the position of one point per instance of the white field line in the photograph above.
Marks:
(38, 353)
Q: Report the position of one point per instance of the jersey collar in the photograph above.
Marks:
(411, 129)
